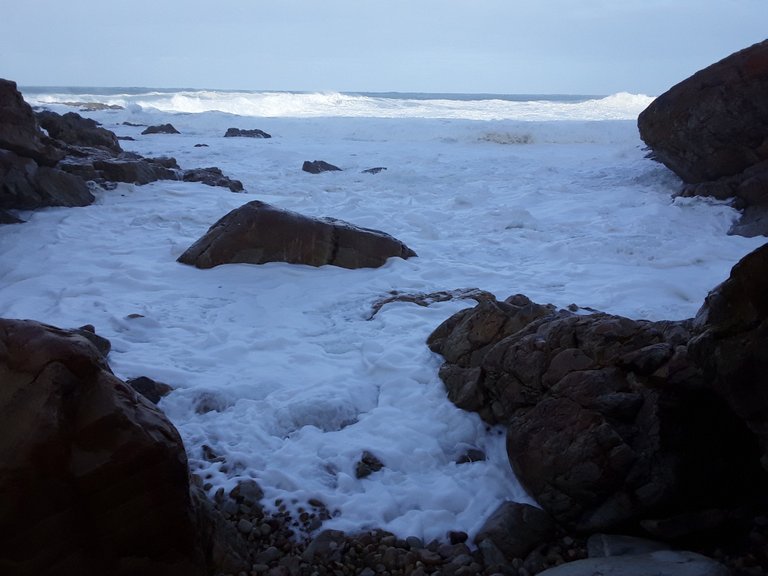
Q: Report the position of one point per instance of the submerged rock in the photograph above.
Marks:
(318, 166)
(257, 233)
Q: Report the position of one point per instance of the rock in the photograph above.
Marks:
(318, 166)
(732, 346)
(367, 465)
(375, 170)
(103, 345)
(237, 132)
(7, 218)
(161, 129)
(19, 130)
(212, 177)
(73, 129)
(515, 529)
(137, 171)
(609, 422)
(713, 124)
(24, 185)
(257, 233)
(710, 129)
(151, 389)
(604, 545)
(93, 106)
(662, 563)
(94, 478)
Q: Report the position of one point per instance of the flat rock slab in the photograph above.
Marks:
(257, 233)
(662, 563)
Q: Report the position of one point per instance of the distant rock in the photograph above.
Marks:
(161, 129)
(257, 233)
(375, 170)
(212, 177)
(237, 132)
(318, 166)
(94, 478)
(93, 106)
(75, 130)
(711, 128)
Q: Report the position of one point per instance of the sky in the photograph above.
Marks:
(465, 46)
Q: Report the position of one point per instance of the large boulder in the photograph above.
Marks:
(93, 477)
(71, 128)
(732, 346)
(608, 421)
(19, 131)
(715, 123)
(257, 233)
(24, 185)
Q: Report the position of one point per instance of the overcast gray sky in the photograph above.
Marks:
(475, 46)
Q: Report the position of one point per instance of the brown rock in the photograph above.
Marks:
(94, 478)
(257, 233)
(713, 124)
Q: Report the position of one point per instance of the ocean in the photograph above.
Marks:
(279, 369)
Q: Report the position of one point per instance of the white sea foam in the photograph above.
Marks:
(277, 368)
(334, 104)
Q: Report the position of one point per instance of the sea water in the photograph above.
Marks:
(281, 371)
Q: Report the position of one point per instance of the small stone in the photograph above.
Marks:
(244, 526)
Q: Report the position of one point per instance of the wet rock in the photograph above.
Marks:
(515, 529)
(212, 177)
(375, 170)
(161, 129)
(152, 390)
(367, 465)
(318, 166)
(73, 129)
(237, 132)
(94, 478)
(257, 233)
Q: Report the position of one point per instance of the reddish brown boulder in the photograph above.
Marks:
(608, 421)
(715, 123)
(257, 233)
(93, 477)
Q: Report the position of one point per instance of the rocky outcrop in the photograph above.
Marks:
(732, 345)
(161, 129)
(257, 233)
(318, 166)
(39, 170)
(712, 130)
(239, 133)
(613, 422)
(94, 478)
(73, 129)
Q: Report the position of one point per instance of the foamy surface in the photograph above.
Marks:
(552, 199)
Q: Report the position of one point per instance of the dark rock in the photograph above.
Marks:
(19, 130)
(161, 129)
(24, 185)
(732, 347)
(137, 171)
(713, 124)
(367, 465)
(661, 563)
(318, 166)
(151, 389)
(375, 170)
(134, 124)
(7, 218)
(94, 478)
(237, 132)
(103, 345)
(201, 145)
(609, 421)
(257, 233)
(93, 106)
(73, 129)
(515, 529)
(212, 177)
